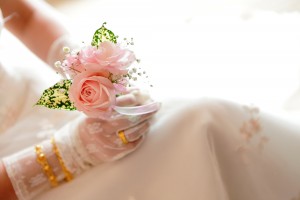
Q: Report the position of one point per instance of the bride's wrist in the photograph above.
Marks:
(72, 151)
(48, 162)
(35, 170)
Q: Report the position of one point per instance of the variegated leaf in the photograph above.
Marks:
(57, 96)
(103, 34)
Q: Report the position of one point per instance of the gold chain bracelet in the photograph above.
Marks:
(42, 160)
(68, 174)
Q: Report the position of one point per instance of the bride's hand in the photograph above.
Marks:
(108, 140)
(89, 141)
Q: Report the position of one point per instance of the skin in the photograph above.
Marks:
(33, 24)
(6, 188)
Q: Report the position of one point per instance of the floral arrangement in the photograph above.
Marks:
(95, 75)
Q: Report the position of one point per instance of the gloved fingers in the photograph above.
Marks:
(133, 97)
(131, 146)
(126, 121)
(133, 133)
(107, 128)
(121, 150)
(127, 100)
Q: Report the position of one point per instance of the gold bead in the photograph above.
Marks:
(68, 175)
(42, 160)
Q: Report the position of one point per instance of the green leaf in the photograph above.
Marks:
(57, 96)
(103, 34)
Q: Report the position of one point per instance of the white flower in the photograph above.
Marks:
(66, 49)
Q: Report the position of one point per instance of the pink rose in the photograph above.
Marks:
(93, 93)
(107, 56)
(71, 60)
(86, 54)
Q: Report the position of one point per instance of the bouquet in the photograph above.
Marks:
(94, 76)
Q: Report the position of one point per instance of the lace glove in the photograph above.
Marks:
(76, 147)
(95, 141)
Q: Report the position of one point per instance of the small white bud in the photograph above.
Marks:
(66, 49)
(57, 64)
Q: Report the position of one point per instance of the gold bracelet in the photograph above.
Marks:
(68, 174)
(42, 160)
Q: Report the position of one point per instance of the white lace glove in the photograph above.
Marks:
(81, 144)
(94, 141)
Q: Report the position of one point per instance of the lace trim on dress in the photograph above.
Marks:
(26, 174)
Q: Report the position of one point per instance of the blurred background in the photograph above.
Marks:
(247, 51)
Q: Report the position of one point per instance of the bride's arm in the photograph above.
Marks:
(78, 146)
(34, 24)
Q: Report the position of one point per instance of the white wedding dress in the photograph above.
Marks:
(197, 150)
